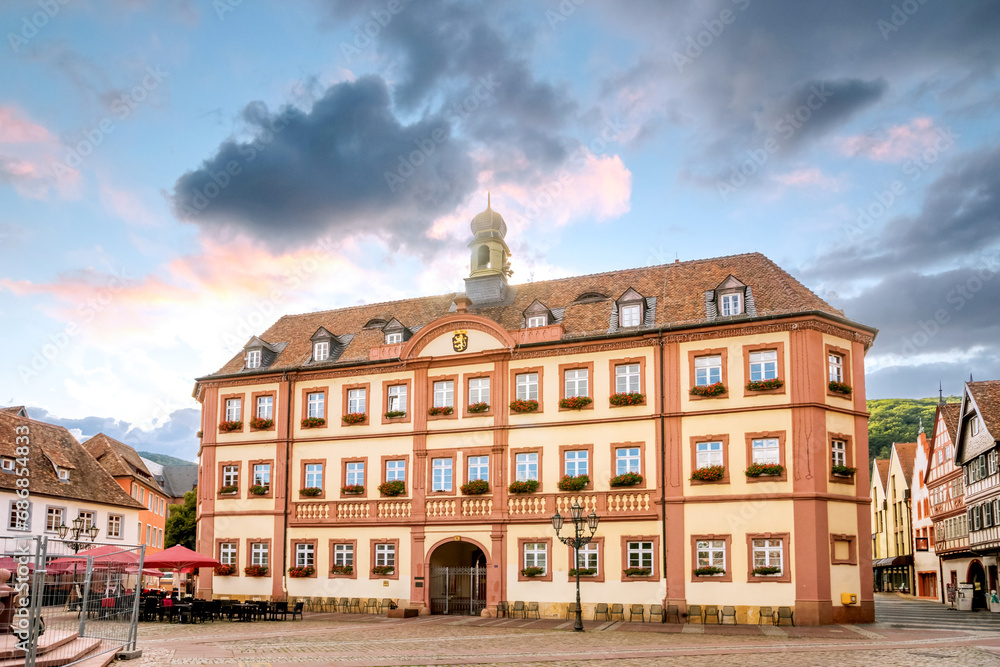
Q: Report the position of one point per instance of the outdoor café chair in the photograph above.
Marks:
(785, 613)
(532, 608)
(601, 610)
(656, 610)
(673, 611)
(694, 611)
(344, 605)
(356, 605)
(571, 610)
(387, 604)
(279, 609)
(503, 608)
(765, 612)
(308, 603)
(712, 611)
(729, 612)
(518, 610)
(637, 609)
(619, 609)
(372, 606)
(297, 610)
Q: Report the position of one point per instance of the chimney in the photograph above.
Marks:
(462, 303)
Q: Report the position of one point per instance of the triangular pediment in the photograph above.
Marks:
(730, 283)
(631, 296)
(321, 334)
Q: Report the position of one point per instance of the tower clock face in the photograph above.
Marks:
(460, 341)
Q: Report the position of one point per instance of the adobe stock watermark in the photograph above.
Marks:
(703, 39)
(786, 128)
(958, 297)
(122, 107)
(899, 16)
(223, 7)
(883, 200)
(32, 24)
(365, 33)
(426, 146)
(566, 8)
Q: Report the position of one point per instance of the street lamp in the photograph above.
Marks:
(579, 538)
(75, 542)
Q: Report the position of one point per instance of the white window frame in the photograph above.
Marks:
(639, 553)
(708, 454)
(321, 350)
(627, 378)
(394, 338)
(7, 464)
(768, 552)
(88, 518)
(259, 554)
(536, 554)
(343, 554)
(835, 363)
(763, 365)
(395, 470)
(479, 390)
(479, 468)
(731, 304)
(577, 382)
(442, 474)
(765, 450)
(315, 402)
(253, 359)
(385, 554)
(314, 475)
(115, 521)
(265, 407)
(526, 386)
(14, 522)
(536, 321)
(627, 459)
(357, 400)
(234, 409)
(710, 553)
(526, 466)
(305, 555)
(444, 394)
(589, 556)
(838, 453)
(576, 462)
(262, 475)
(52, 526)
(227, 553)
(397, 398)
(707, 370)
(354, 472)
(630, 316)
(231, 475)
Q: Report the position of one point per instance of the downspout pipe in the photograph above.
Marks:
(288, 468)
(663, 457)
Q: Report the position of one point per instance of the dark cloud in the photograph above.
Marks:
(922, 381)
(325, 170)
(176, 436)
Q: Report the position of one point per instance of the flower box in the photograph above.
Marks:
(570, 483)
(709, 390)
(476, 487)
(259, 490)
(637, 571)
(225, 570)
(395, 414)
(255, 570)
(301, 572)
(765, 385)
(709, 571)
(313, 422)
(840, 388)
(353, 489)
(533, 571)
(764, 470)
(479, 407)
(393, 488)
(575, 402)
(383, 569)
(342, 569)
(522, 407)
(229, 427)
(583, 571)
(354, 418)
(261, 424)
(843, 471)
(229, 489)
(626, 479)
(442, 410)
(627, 398)
(527, 486)
(766, 571)
(200, 434)
(709, 474)
(311, 491)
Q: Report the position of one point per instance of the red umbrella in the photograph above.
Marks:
(179, 557)
(104, 556)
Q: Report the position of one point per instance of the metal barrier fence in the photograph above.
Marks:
(70, 601)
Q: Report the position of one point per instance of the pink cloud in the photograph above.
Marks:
(14, 130)
(898, 143)
(809, 177)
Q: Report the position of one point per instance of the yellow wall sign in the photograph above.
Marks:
(460, 341)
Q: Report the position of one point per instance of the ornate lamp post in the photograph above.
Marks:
(581, 526)
(75, 542)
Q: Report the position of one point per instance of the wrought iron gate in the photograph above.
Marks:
(458, 591)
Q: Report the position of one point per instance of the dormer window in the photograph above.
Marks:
(631, 305)
(253, 359)
(63, 474)
(537, 321)
(258, 353)
(394, 338)
(631, 316)
(321, 350)
(732, 304)
(538, 315)
(975, 426)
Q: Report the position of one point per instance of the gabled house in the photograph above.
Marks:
(947, 499)
(894, 569)
(925, 562)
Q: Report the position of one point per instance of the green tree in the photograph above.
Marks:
(180, 528)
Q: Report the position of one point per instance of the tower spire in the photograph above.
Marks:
(488, 200)
(940, 393)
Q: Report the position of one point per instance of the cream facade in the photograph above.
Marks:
(328, 433)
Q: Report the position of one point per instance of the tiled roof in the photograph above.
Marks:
(49, 444)
(178, 480)
(987, 397)
(678, 289)
(950, 413)
(14, 410)
(883, 471)
(906, 452)
(119, 459)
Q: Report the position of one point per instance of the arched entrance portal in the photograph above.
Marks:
(977, 577)
(458, 579)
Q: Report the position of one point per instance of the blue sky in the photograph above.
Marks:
(175, 175)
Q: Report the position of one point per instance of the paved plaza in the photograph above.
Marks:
(907, 633)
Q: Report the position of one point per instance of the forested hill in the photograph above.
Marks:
(898, 420)
(165, 460)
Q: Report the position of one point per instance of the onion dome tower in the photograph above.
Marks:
(487, 281)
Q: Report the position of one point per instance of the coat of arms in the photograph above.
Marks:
(460, 341)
